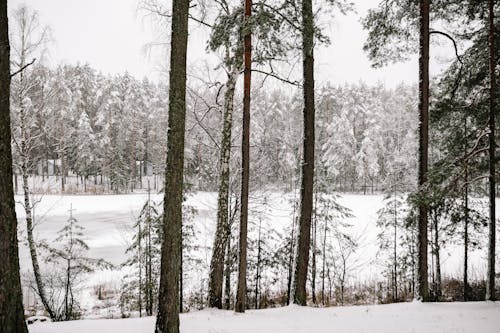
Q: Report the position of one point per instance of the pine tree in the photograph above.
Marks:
(241, 303)
(167, 320)
(490, 281)
(306, 201)
(423, 289)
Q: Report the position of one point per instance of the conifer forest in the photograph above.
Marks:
(280, 166)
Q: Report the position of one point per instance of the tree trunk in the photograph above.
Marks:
(227, 288)
(139, 255)
(257, 273)
(438, 259)
(149, 260)
(167, 320)
(423, 150)
(24, 155)
(11, 300)
(324, 265)
(290, 259)
(217, 262)
(314, 245)
(306, 192)
(181, 278)
(466, 232)
(67, 290)
(490, 280)
(63, 171)
(32, 246)
(395, 281)
(241, 292)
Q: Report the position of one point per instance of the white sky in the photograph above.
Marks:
(110, 35)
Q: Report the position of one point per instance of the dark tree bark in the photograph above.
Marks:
(11, 300)
(466, 219)
(290, 259)
(217, 261)
(437, 249)
(241, 292)
(490, 281)
(395, 263)
(423, 151)
(306, 191)
(149, 260)
(181, 277)
(257, 272)
(323, 270)
(167, 320)
(314, 247)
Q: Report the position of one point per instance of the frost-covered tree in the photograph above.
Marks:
(29, 40)
(68, 254)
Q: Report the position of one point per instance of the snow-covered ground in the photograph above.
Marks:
(394, 318)
(108, 221)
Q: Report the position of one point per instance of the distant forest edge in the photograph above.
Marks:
(78, 131)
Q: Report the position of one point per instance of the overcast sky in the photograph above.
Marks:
(110, 35)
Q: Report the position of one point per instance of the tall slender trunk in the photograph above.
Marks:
(181, 277)
(466, 232)
(241, 292)
(438, 258)
(423, 151)
(24, 155)
(490, 281)
(149, 260)
(219, 247)
(139, 255)
(63, 169)
(167, 320)
(67, 290)
(324, 264)
(227, 273)
(314, 246)
(11, 300)
(290, 259)
(306, 192)
(257, 273)
(395, 263)
(32, 246)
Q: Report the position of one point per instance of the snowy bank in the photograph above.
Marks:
(394, 318)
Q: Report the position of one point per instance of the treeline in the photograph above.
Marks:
(103, 133)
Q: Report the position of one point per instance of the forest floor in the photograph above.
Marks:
(394, 318)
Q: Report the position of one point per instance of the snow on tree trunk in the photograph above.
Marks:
(219, 247)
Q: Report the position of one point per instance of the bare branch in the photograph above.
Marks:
(277, 77)
(23, 68)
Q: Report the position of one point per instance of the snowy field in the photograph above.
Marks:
(394, 318)
(108, 221)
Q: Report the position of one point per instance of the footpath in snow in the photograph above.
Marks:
(481, 317)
